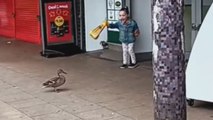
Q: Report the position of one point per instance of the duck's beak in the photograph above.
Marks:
(64, 72)
(61, 71)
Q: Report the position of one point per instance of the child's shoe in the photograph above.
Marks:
(123, 66)
(132, 65)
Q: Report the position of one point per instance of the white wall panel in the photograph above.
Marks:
(95, 14)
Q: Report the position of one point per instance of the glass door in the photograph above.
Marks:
(199, 8)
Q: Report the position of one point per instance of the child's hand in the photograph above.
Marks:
(106, 23)
(136, 33)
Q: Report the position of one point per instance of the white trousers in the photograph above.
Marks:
(128, 52)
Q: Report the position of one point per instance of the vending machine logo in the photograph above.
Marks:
(59, 21)
(58, 18)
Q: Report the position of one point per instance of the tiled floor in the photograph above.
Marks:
(96, 89)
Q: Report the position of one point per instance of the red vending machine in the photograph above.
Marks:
(57, 28)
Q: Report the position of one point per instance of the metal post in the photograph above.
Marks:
(42, 28)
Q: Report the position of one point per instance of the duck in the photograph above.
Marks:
(55, 81)
(104, 44)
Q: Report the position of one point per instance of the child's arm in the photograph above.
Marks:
(136, 30)
(112, 25)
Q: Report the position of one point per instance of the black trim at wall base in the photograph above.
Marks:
(61, 50)
(147, 56)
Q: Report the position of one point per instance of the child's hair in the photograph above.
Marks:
(125, 9)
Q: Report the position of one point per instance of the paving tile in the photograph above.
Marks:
(9, 113)
(139, 113)
(77, 108)
(9, 74)
(99, 114)
(15, 117)
(34, 86)
(26, 103)
(121, 118)
(47, 96)
(15, 97)
(5, 91)
(1, 82)
(42, 109)
(125, 101)
(101, 97)
(74, 104)
(57, 116)
(4, 86)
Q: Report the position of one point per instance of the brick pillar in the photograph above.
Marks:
(168, 60)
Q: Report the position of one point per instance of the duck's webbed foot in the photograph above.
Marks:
(56, 90)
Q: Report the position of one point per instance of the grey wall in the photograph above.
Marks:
(141, 12)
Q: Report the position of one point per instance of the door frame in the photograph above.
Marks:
(196, 18)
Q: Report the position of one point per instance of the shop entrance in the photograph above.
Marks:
(61, 28)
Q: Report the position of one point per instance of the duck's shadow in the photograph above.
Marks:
(58, 90)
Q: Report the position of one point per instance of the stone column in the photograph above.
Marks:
(168, 60)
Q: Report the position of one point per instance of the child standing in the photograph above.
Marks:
(128, 31)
